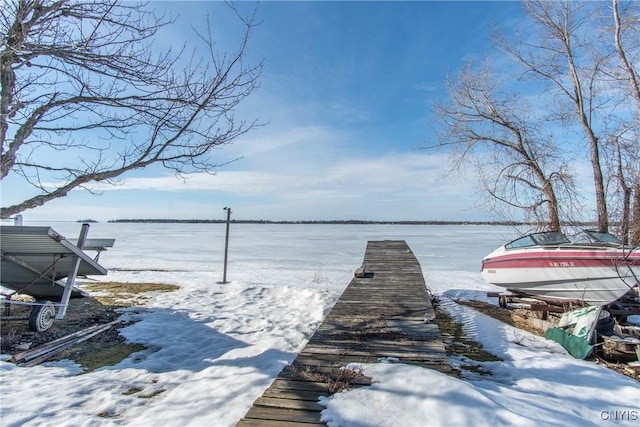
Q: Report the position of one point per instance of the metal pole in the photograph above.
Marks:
(226, 246)
(73, 271)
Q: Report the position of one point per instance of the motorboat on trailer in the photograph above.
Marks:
(548, 265)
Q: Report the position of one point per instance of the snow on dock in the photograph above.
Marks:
(384, 314)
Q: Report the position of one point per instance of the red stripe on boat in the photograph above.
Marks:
(557, 259)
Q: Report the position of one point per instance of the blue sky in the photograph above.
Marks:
(346, 89)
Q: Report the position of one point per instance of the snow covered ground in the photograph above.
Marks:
(215, 347)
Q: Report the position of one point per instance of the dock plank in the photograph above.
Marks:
(384, 313)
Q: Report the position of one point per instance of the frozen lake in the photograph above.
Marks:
(258, 252)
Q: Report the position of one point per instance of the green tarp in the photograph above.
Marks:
(578, 347)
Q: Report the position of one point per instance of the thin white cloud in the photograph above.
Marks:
(288, 139)
(350, 113)
(428, 86)
(412, 172)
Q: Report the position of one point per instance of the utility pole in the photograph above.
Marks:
(226, 246)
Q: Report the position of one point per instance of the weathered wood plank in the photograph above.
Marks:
(276, 402)
(278, 393)
(282, 414)
(288, 384)
(390, 334)
(428, 348)
(250, 422)
(384, 313)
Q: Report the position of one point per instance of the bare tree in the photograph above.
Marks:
(635, 231)
(87, 97)
(627, 45)
(583, 89)
(560, 57)
(518, 165)
(627, 25)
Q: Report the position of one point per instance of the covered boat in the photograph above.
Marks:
(549, 265)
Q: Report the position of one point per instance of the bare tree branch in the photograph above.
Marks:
(519, 168)
(85, 98)
(559, 60)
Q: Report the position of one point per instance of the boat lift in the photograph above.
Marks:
(36, 260)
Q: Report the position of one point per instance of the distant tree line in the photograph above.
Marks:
(345, 222)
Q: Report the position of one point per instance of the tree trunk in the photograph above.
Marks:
(598, 177)
(635, 223)
(554, 217)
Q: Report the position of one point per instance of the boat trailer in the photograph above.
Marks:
(541, 306)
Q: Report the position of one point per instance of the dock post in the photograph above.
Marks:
(226, 246)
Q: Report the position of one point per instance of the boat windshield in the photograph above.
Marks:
(599, 237)
(538, 239)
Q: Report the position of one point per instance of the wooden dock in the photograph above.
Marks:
(385, 312)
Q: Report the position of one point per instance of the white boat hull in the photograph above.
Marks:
(596, 277)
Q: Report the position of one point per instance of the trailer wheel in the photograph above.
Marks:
(502, 301)
(42, 316)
